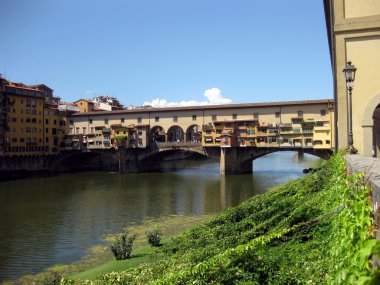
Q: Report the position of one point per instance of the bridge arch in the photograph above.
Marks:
(239, 160)
(157, 134)
(175, 134)
(174, 153)
(194, 133)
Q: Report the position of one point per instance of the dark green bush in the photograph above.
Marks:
(52, 279)
(154, 237)
(122, 246)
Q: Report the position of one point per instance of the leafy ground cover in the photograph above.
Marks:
(314, 230)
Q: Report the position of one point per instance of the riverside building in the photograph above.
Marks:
(354, 35)
(30, 122)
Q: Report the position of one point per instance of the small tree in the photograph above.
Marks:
(122, 246)
(154, 237)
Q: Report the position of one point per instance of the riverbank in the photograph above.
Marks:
(99, 259)
(314, 230)
(55, 220)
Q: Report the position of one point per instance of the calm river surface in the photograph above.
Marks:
(53, 220)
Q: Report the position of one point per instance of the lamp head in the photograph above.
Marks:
(349, 73)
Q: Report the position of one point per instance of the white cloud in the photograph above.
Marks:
(213, 95)
(91, 93)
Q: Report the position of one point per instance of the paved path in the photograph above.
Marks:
(369, 165)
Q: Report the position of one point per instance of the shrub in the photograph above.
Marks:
(122, 246)
(52, 279)
(154, 237)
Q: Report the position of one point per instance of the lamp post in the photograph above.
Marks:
(349, 73)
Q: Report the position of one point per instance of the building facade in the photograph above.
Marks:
(354, 35)
(85, 105)
(299, 124)
(31, 123)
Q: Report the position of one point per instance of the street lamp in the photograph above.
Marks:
(349, 73)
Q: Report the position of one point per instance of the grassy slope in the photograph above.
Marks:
(283, 236)
(139, 255)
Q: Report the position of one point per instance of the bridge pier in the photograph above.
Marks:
(122, 160)
(234, 160)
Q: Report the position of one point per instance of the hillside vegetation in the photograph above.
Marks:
(314, 230)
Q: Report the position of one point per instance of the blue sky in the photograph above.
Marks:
(170, 51)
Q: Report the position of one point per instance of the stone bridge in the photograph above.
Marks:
(233, 160)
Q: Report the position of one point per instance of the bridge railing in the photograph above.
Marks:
(177, 144)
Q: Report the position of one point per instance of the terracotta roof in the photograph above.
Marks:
(208, 107)
(67, 103)
(23, 87)
(88, 101)
(41, 85)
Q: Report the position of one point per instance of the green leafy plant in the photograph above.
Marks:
(52, 278)
(121, 247)
(354, 234)
(154, 237)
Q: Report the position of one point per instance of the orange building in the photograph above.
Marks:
(85, 105)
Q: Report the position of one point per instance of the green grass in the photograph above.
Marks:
(138, 256)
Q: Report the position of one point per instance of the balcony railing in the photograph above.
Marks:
(322, 128)
(177, 144)
(261, 133)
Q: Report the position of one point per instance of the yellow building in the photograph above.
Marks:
(354, 35)
(85, 105)
(22, 115)
(54, 129)
(31, 123)
(54, 121)
(120, 135)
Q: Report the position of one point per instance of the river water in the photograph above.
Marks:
(54, 220)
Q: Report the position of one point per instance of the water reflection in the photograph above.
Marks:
(46, 221)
